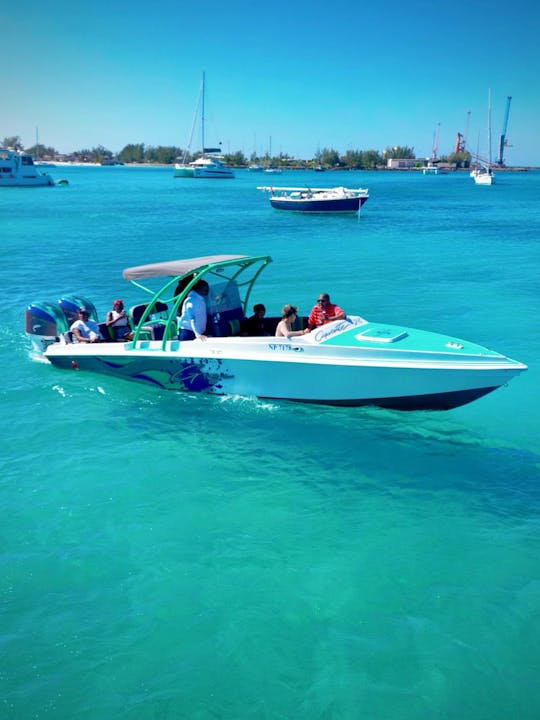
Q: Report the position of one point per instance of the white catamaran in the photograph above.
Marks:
(208, 165)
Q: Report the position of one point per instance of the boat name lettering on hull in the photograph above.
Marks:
(284, 348)
(333, 329)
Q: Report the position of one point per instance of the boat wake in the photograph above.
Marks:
(249, 402)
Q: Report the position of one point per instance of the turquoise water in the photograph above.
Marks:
(174, 556)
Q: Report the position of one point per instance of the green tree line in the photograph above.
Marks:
(328, 158)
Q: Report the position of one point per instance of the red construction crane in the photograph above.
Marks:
(461, 140)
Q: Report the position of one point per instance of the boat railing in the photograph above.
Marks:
(228, 273)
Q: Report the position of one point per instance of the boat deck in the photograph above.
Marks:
(408, 340)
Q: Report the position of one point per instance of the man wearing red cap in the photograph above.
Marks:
(117, 320)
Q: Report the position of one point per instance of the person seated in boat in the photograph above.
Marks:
(85, 330)
(324, 312)
(192, 321)
(288, 316)
(255, 325)
(117, 320)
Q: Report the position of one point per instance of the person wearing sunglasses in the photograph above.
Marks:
(324, 312)
(84, 329)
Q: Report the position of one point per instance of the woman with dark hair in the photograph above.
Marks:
(117, 320)
(288, 316)
(182, 284)
(255, 325)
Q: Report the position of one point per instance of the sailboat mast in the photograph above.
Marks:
(489, 126)
(187, 151)
(202, 113)
(435, 148)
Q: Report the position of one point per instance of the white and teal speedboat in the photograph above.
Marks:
(345, 362)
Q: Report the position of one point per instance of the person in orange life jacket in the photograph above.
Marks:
(324, 312)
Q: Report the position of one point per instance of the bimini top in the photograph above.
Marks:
(235, 273)
(175, 268)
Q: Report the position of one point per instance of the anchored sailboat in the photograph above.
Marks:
(208, 165)
(483, 174)
(270, 168)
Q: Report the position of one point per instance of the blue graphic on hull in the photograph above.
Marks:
(192, 378)
(204, 375)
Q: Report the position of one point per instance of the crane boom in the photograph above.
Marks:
(503, 143)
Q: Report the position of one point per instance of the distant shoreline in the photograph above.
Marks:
(517, 168)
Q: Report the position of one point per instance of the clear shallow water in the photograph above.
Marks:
(175, 556)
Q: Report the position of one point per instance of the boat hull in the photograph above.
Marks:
(216, 173)
(43, 180)
(483, 176)
(277, 368)
(17, 169)
(483, 179)
(313, 205)
(183, 171)
(203, 171)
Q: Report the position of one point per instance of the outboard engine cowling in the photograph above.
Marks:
(44, 322)
(70, 304)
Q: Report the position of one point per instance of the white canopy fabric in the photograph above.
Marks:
(173, 268)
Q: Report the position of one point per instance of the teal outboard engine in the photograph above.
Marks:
(44, 322)
(70, 304)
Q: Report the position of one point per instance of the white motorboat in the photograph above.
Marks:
(17, 169)
(345, 362)
(316, 200)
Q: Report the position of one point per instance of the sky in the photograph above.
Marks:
(294, 77)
